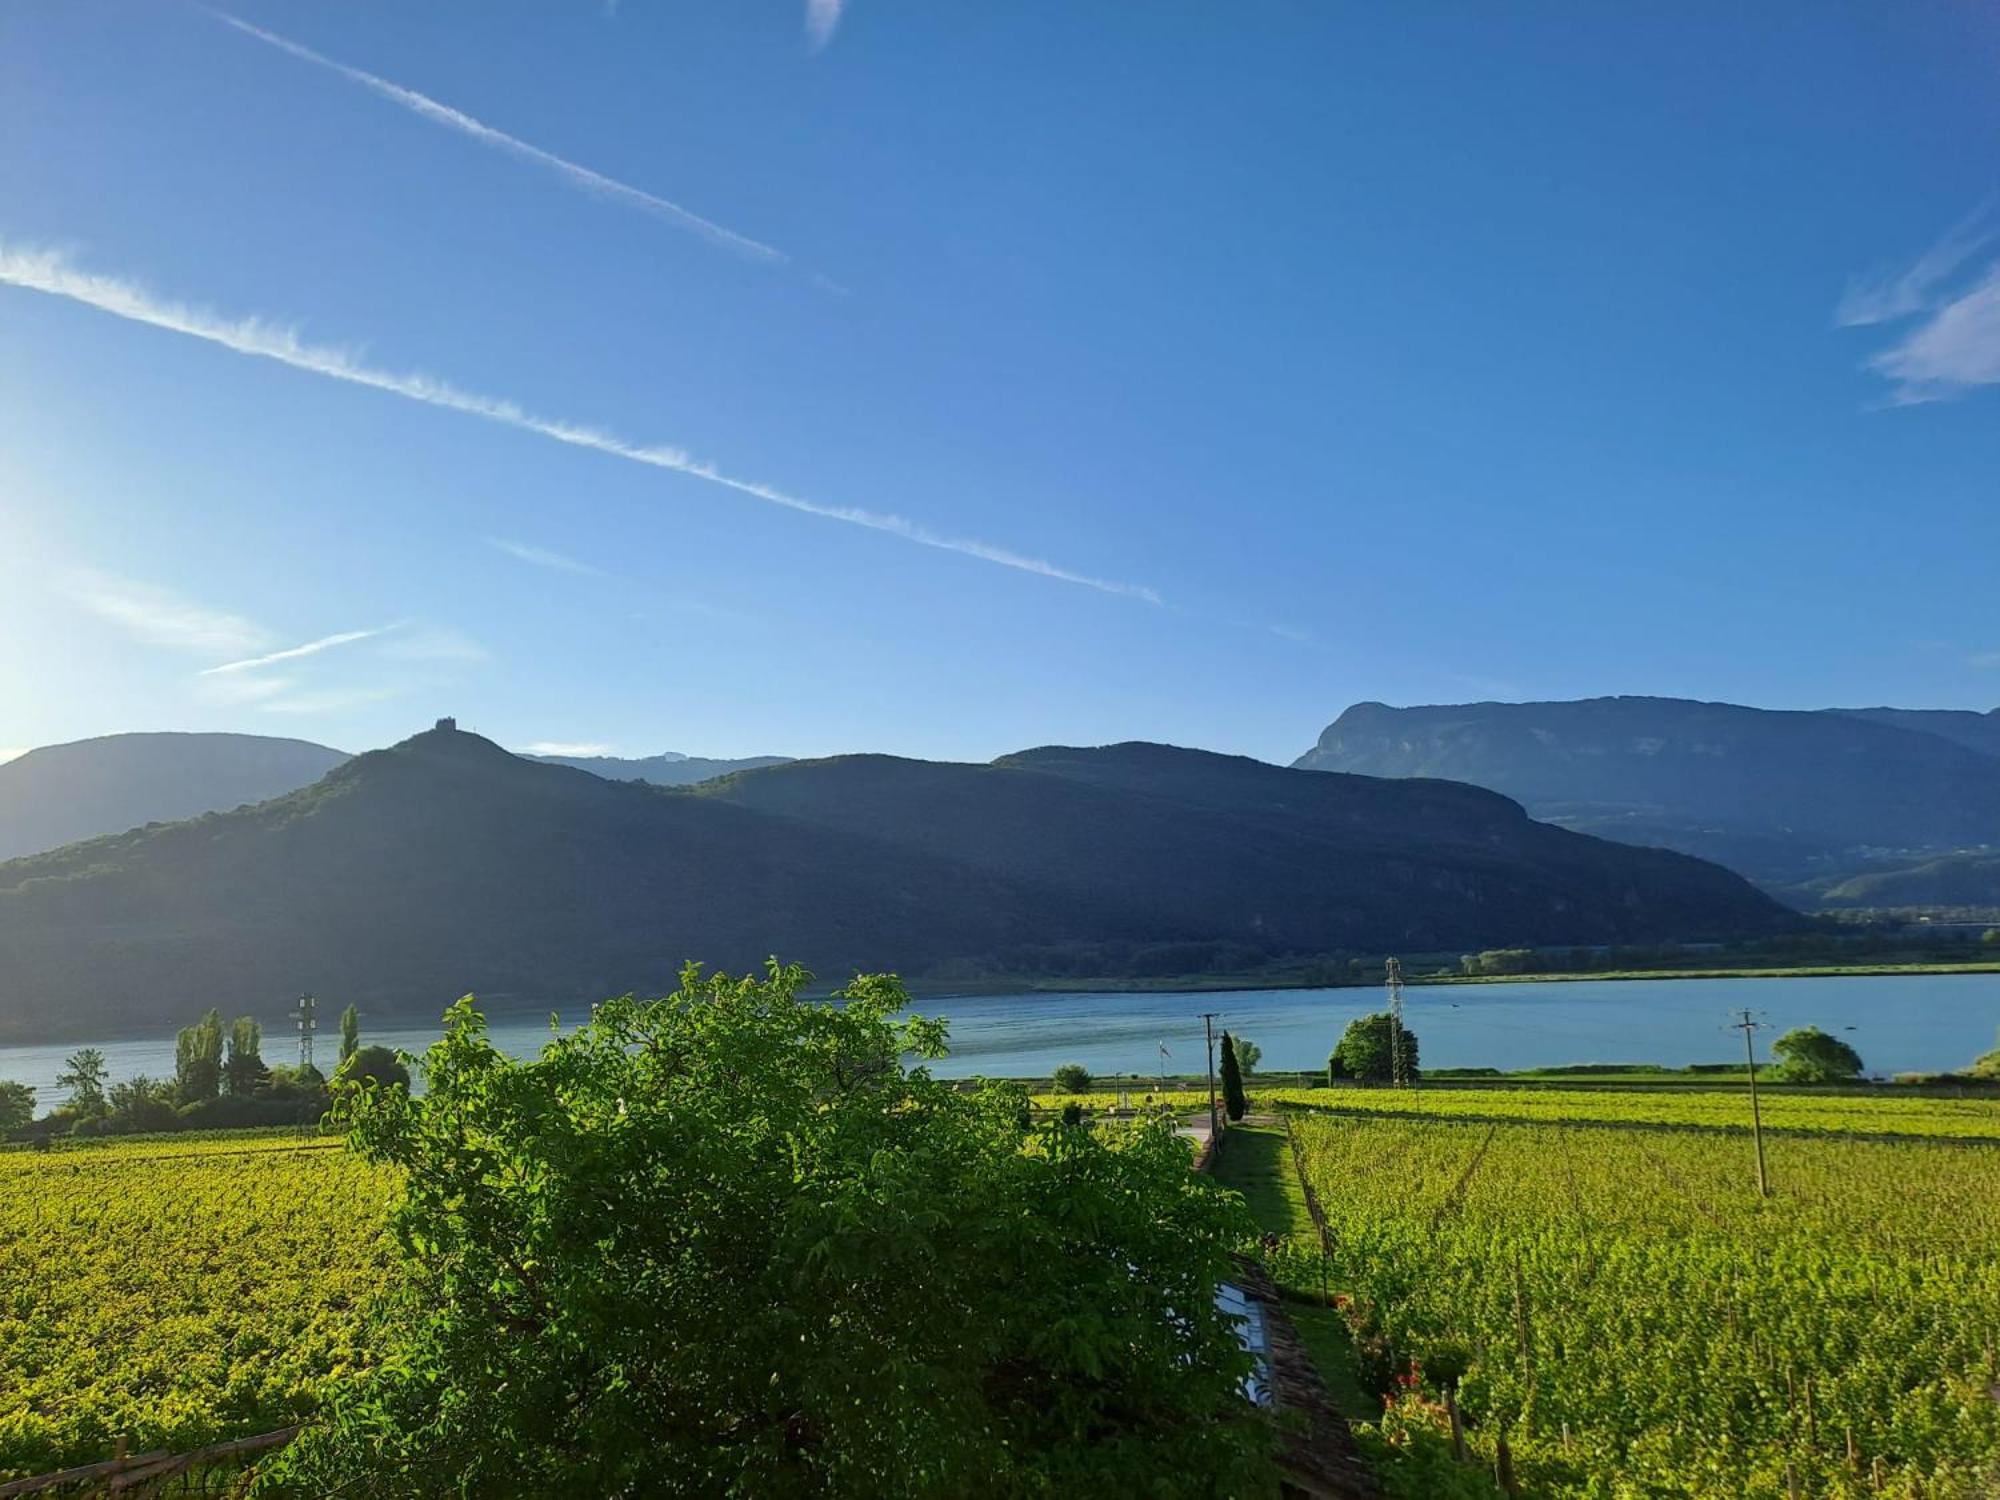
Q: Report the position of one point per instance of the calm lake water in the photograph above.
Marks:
(1927, 1023)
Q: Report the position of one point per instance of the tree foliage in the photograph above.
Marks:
(350, 1033)
(1233, 1100)
(1248, 1055)
(1072, 1078)
(1809, 1055)
(727, 1243)
(1366, 1050)
(198, 1059)
(17, 1105)
(373, 1064)
(244, 1071)
(84, 1075)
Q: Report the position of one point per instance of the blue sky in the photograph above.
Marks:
(765, 377)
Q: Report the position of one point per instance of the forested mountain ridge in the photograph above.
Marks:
(443, 865)
(1784, 796)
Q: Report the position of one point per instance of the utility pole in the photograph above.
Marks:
(1208, 1027)
(1164, 1055)
(1399, 1063)
(1749, 1027)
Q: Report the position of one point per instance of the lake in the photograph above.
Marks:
(1915, 1023)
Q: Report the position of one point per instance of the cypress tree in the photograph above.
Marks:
(1232, 1081)
(350, 1033)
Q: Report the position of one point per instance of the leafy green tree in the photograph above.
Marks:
(350, 1033)
(1072, 1078)
(1233, 1101)
(17, 1106)
(142, 1104)
(1366, 1050)
(198, 1059)
(1248, 1055)
(244, 1071)
(377, 1064)
(1809, 1055)
(730, 1243)
(1990, 937)
(83, 1075)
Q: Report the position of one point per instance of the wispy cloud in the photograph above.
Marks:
(49, 272)
(161, 617)
(574, 749)
(293, 653)
(822, 16)
(542, 557)
(1891, 292)
(574, 174)
(1956, 346)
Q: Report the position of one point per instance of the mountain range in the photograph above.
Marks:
(407, 876)
(1805, 802)
(59, 794)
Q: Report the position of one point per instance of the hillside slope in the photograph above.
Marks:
(445, 865)
(1154, 841)
(670, 769)
(62, 793)
(1781, 796)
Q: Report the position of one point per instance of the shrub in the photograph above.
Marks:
(1809, 1055)
(728, 1242)
(1366, 1050)
(1072, 1078)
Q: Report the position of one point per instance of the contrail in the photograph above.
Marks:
(577, 175)
(310, 648)
(48, 271)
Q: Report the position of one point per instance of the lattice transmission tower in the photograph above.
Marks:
(307, 1016)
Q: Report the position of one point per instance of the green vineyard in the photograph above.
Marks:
(1635, 1320)
(1887, 1113)
(172, 1292)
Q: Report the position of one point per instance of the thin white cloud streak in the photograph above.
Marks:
(576, 175)
(1957, 348)
(822, 16)
(47, 271)
(574, 749)
(293, 653)
(1882, 296)
(542, 557)
(161, 617)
